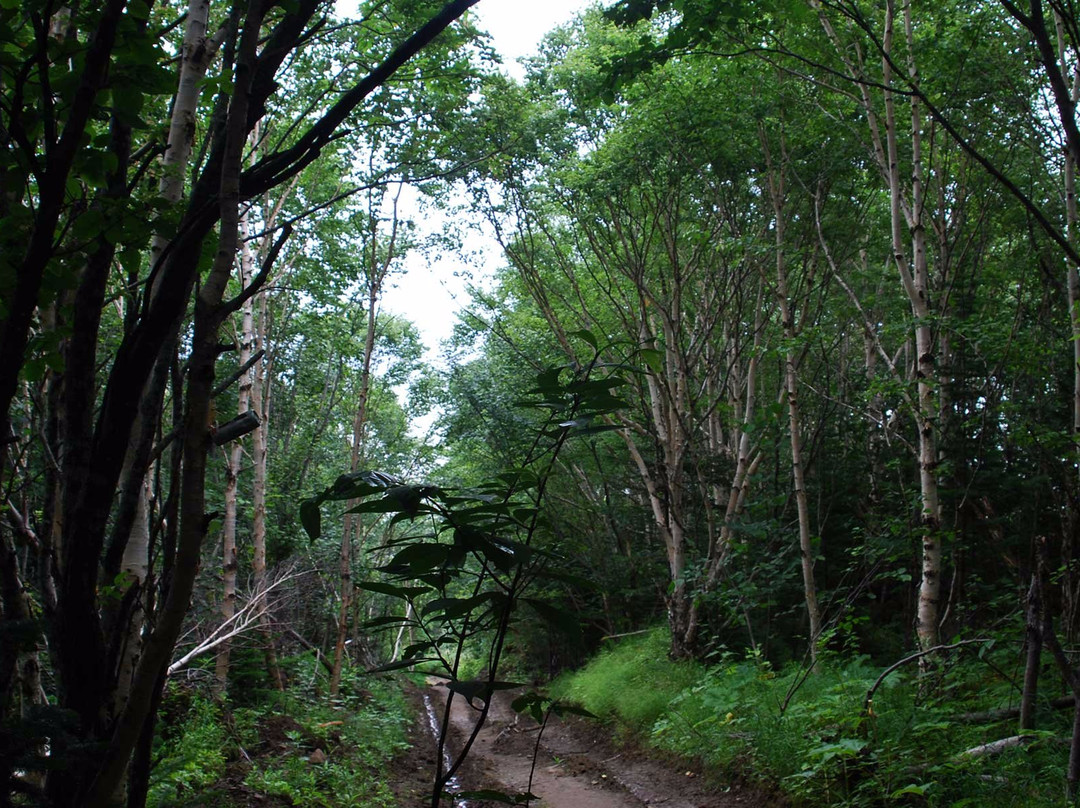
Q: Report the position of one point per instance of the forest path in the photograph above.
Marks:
(577, 765)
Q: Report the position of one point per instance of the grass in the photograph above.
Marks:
(633, 681)
(811, 738)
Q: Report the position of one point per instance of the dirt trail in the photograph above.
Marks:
(577, 766)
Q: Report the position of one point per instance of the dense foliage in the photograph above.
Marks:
(800, 279)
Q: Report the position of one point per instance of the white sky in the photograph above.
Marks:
(517, 26)
(430, 293)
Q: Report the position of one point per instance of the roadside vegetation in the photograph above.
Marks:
(294, 747)
(810, 737)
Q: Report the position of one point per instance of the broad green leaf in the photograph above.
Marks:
(653, 358)
(400, 664)
(561, 708)
(387, 620)
(419, 557)
(479, 688)
(413, 650)
(587, 336)
(458, 607)
(392, 590)
(532, 703)
(560, 619)
(311, 519)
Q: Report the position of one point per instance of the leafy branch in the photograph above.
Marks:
(470, 557)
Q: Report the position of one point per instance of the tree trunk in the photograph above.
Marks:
(234, 458)
(260, 401)
(1030, 693)
(210, 312)
(377, 268)
(777, 193)
(1070, 584)
(915, 279)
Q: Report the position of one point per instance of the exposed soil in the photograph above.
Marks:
(577, 765)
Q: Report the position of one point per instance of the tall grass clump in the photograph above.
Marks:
(632, 680)
(812, 737)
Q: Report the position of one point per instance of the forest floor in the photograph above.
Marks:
(578, 764)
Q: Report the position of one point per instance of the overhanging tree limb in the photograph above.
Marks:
(277, 168)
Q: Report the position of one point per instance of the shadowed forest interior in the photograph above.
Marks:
(755, 447)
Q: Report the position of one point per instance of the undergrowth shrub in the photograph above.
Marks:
(190, 749)
(811, 737)
(270, 744)
(360, 735)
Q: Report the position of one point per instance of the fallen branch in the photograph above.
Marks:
(995, 747)
(625, 634)
(319, 655)
(1008, 713)
(245, 619)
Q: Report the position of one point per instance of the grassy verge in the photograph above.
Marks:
(811, 738)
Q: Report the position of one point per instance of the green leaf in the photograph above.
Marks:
(595, 430)
(653, 358)
(311, 518)
(387, 620)
(532, 703)
(413, 650)
(417, 558)
(586, 335)
(560, 619)
(548, 382)
(458, 607)
(559, 708)
(479, 688)
(401, 663)
(403, 499)
(359, 484)
(405, 592)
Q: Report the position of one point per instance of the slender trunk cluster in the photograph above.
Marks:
(234, 459)
(120, 531)
(785, 305)
(379, 258)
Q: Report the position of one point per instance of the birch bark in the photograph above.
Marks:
(778, 194)
(234, 458)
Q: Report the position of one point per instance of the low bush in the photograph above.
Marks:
(190, 749)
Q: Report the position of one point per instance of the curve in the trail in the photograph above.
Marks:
(575, 768)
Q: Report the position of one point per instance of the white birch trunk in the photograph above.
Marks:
(777, 192)
(1070, 594)
(235, 457)
(260, 402)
